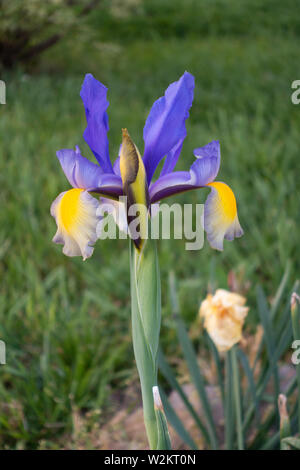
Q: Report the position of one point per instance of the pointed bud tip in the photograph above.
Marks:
(125, 132)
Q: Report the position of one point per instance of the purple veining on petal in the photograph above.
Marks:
(165, 125)
(93, 94)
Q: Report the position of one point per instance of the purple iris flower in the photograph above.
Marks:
(164, 134)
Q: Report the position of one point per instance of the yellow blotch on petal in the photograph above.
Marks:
(220, 215)
(227, 199)
(224, 314)
(75, 213)
(70, 208)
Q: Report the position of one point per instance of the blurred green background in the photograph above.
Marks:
(66, 323)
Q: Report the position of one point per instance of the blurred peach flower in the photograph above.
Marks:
(224, 314)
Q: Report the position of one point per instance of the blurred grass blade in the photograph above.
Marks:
(271, 443)
(167, 372)
(229, 413)
(280, 290)
(264, 315)
(218, 363)
(163, 436)
(249, 374)
(176, 422)
(295, 313)
(267, 372)
(237, 397)
(265, 319)
(191, 359)
(277, 324)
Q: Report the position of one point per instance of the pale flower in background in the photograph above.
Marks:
(224, 314)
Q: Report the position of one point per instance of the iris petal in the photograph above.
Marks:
(116, 167)
(165, 125)
(171, 158)
(202, 172)
(75, 212)
(220, 215)
(93, 95)
(206, 167)
(80, 172)
(170, 184)
(84, 174)
(118, 210)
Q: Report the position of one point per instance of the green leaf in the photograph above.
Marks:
(218, 363)
(229, 411)
(271, 443)
(167, 372)
(176, 422)
(280, 290)
(145, 343)
(292, 442)
(268, 371)
(237, 397)
(147, 277)
(248, 371)
(265, 318)
(163, 439)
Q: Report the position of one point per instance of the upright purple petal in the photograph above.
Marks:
(203, 171)
(93, 95)
(171, 158)
(165, 125)
(84, 174)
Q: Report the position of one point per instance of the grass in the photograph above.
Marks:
(66, 323)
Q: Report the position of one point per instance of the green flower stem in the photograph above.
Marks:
(146, 318)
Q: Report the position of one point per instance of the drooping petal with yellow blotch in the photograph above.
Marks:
(75, 212)
(220, 215)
